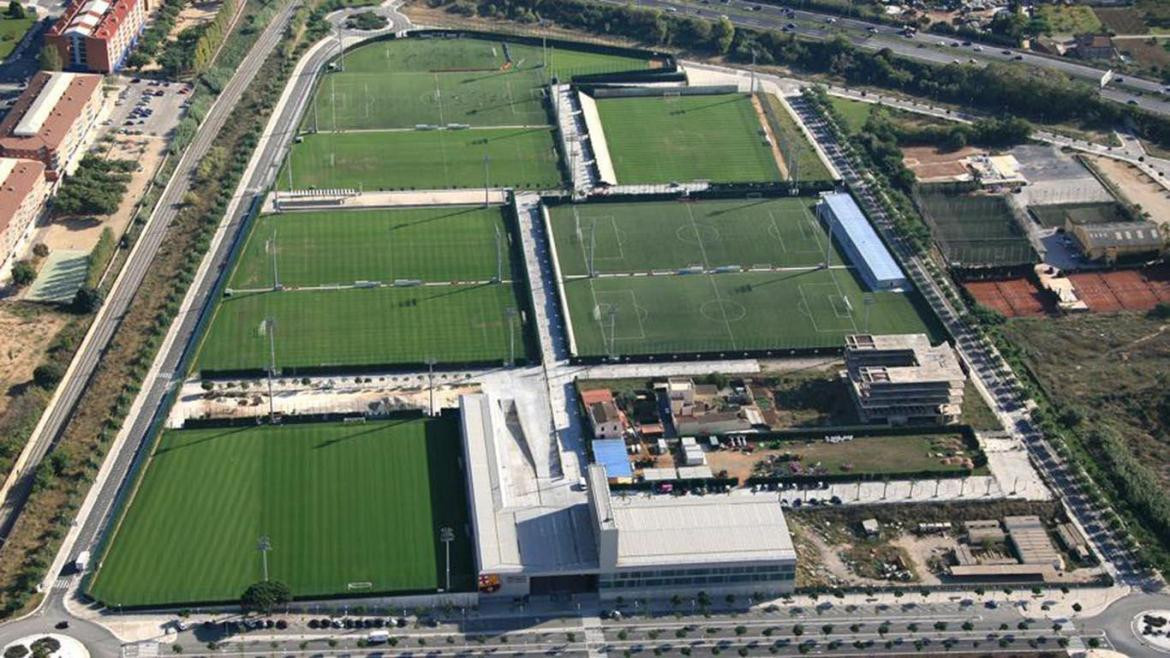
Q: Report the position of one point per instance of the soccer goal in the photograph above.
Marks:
(671, 96)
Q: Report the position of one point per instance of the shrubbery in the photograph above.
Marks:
(96, 188)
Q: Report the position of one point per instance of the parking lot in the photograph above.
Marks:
(149, 107)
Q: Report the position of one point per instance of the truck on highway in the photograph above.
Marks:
(81, 563)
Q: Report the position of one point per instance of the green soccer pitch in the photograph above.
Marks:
(756, 311)
(340, 247)
(409, 159)
(349, 509)
(317, 330)
(667, 235)
(401, 83)
(655, 139)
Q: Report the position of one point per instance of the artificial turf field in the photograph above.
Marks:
(405, 82)
(750, 311)
(340, 247)
(364, 327)
(655, 139)
(656, 235)
(408, 159)
(341, 504)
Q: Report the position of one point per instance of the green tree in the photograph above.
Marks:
(86, 300)
(23, 273)
(15, 9)
(47, 375)
(722, 35)
(265, 595)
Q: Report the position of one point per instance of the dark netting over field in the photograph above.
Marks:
(1080, 213)
(975, 230)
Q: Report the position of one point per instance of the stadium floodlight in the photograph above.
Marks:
(340, 49)
(270, 329)
(511, 313)
(431, 361)
(272, 252)
(447, 535)
(868, 300)
(486, 179)
(264, 545)
(499, 256)
(612, 311)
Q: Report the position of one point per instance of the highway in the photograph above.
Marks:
(926, 47)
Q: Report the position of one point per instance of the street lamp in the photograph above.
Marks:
(447, 535)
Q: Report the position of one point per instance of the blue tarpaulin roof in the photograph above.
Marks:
(611, 453)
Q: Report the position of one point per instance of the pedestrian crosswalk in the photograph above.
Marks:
(64, 582)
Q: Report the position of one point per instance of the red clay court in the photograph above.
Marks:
(1128, 290)
(1013, 298)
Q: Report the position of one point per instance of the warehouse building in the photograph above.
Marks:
(97, 35)
(651, 545)
(53, 121)
(23, 191)
(861, 244)
(899, 379)
(1117, 240)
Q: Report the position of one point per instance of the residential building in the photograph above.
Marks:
(1116, 240)
(651, 545)
(902, 378)
(23, 191)
(97, 35)
(1094, 46)
(861, 244)
(53, 121)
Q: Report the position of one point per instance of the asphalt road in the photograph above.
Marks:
(923, 46)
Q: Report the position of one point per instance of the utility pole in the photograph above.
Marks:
(447, 535)
(264, 546)
(270, 326)
(430, 361)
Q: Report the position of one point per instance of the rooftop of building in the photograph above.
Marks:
(93, 18)
(604, 412)
(665, 530)
(1120, 234)
(914, 359)
(849, 217)
(17, 179)
(612, 453)
(46, 110)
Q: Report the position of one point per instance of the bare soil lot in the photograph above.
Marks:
(1138, 188)
(25, 333)
(930, 165)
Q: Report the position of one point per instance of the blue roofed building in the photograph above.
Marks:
(861, 244)
(611, 453)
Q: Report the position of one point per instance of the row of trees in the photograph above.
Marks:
(96, 188)
(213, 35)
(155, 35)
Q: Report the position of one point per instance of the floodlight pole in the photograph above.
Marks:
(270, 325)
(264, 546)
(829, 242)
(447, 535)
(275, 271)
(430, 361)
(753, 87)
(290, 170)
(612, 336)
(340, 50)
(486, 180)
(592, 247)
(868, 301)
(511, 313)
(499, 256)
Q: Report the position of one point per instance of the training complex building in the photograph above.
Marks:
(563, 530)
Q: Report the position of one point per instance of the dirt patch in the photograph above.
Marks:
(1010, 297)
(25, 333)
(1121, 20)
(930, 165)
(1137, 188)
(772, 141)
(1148, 53)
(198, 13)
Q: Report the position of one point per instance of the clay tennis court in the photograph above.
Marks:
(1013, 298)
(1128, 290)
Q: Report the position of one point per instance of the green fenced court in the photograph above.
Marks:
(480, 82)
(661, 139)
(976, 230)
(348, 509)
(453, 243)
(408, 159)
(666, 235)
(756, 311)
(324, 329)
